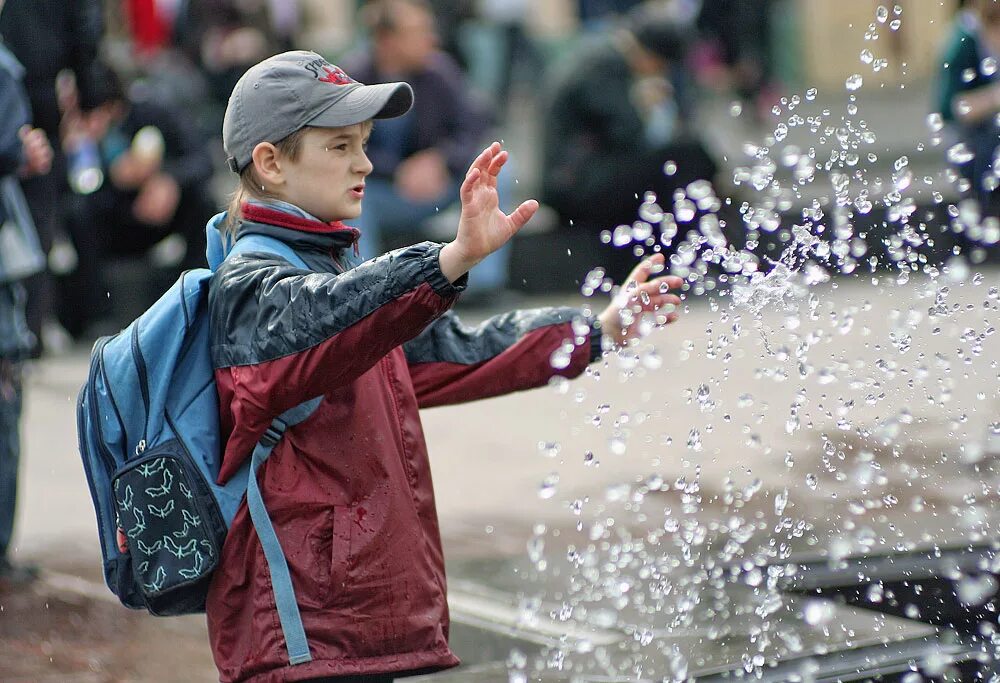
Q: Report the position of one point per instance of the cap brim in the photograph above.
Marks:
(382, 101)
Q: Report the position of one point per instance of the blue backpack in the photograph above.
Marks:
(148, 426)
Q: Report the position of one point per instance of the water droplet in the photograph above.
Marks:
(988, 66)
(854, 82)
(882, 14)
(811, 94)
(548, 487)
(975, 590)
(935, 122)
(867, 56)
(549, 449)
(811, 481)
(895, 24)
(616, 445)
(670, 167)
(960, 154)
(780, 501)
(694, 440)
(817, 612)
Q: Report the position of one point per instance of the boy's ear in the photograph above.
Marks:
(265, 159)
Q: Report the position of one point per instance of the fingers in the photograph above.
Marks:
(485, 158)
(649, 266)
(523, 214)
(471, 178)
(498, 161)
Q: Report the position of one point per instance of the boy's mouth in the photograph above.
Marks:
(358, 190)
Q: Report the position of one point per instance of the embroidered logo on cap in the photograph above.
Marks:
(328, 73)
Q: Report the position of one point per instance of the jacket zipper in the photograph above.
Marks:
(140, 365)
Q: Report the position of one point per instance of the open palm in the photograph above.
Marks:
(483, 227)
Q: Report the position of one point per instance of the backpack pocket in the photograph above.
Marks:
(170, 527)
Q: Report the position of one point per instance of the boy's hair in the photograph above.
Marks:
(250, 185)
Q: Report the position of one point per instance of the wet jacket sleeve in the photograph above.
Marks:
(451, 362)
(286, 335)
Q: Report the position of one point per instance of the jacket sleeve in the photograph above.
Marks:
(287, 335)
(452, 363)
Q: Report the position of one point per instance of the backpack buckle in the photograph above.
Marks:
(271, 437)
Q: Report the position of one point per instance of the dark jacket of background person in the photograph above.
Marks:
(15, 339)
(444, 115)
(48, 36)
(595, 157)
(962, 71)
(963, 57)
(349, 490)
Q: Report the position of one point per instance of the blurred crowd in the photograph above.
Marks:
(131, 92)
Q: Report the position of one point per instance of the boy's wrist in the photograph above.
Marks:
(454, 262)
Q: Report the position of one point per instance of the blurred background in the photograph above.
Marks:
(514, 69)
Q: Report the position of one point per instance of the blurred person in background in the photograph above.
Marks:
(420, 158)
(225, 37)
(968, 96)
(616, 113)
(518, 55)
(24, 152)
(157, 168)
(736, 51)
(47, 37)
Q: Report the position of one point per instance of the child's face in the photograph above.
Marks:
(328, 178)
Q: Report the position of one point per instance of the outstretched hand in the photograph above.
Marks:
(483, 227)
(641, 296)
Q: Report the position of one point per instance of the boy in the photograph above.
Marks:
(349, 489)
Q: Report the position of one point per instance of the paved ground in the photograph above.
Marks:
(899, 390)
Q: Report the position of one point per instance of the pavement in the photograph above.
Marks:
(847, 418)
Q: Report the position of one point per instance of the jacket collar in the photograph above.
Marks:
(305, 228)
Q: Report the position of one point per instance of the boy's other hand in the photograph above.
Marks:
(483, 227)
(37, 151)
(423, 177)
(641, 297)
(157, 200)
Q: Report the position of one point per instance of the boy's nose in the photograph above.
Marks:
(364, 164)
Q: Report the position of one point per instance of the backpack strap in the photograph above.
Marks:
(270, 245)
(281, 580)
(277, 565)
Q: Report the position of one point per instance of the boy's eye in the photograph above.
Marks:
(339, 148)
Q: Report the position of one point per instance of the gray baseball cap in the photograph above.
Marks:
(290, 91)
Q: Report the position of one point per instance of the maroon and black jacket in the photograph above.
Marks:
(349, 489)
